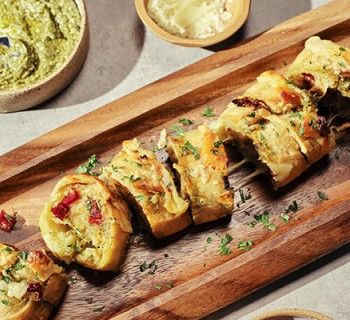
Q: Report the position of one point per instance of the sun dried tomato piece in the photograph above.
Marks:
(70, 198)
(95, 216)
(60, 211)
(7, 222)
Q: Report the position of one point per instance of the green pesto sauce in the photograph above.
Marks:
(41, 34)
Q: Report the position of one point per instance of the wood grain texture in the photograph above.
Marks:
(203, 280)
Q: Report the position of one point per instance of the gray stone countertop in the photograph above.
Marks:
(125, 56)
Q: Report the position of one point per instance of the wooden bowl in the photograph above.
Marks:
(238, 8)
(27, 97)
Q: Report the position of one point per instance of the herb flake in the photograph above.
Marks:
(321, 195)
(245, 245)
(208, 112)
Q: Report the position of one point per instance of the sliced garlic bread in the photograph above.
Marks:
(84, 222)
(31, 284)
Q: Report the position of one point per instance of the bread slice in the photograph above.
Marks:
(31, 284)
(84, 222)
(277, 126)
(150, 188)
(201, 161)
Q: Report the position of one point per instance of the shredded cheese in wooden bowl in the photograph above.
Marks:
(193, 23)
(190, 18)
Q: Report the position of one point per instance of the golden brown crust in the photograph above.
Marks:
(92, 230)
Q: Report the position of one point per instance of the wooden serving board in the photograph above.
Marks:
(195, 278)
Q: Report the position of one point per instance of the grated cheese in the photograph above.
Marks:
(190, 18)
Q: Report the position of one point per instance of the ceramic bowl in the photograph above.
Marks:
(39, 92)
(238, 8)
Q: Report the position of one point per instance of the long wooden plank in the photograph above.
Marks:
(203, 280)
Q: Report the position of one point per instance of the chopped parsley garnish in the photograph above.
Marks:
(224, 241)
(23, 255)
(170, 285)
(261, 136)
(341, 64)
(186, 122)
(208, 112)
(152, 266)
(203, 264)
(337, 154)
(139, 165)
(264, 219)
(252, 115)
(168, 185)
(289, 81)
(322, 195)
(179, 130)
(292, 123)
(324, 67)
(158, 287)
(341, 49)
(296, 114)
(285, 217)
(5, 302)
(209, 239)
(89, 166)
(89, 204)
(245, 245)
(6, 279)
(293, 207)
(301, 130)
(19, 266)
(190, 147)
(98, 309)
(139, 197)
(155, 149)
(244, 197)
(132, 178)
(8, 249)
(217, 144)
